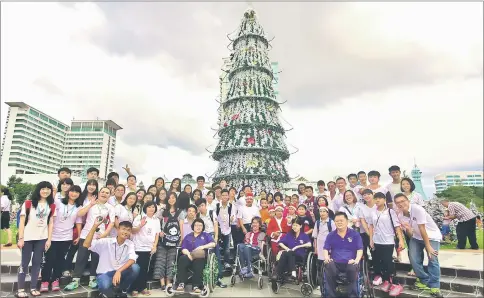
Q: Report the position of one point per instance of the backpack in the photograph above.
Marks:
(28, 205)
(171, 229)
(210, 213)
(218, 209)
(330, 228)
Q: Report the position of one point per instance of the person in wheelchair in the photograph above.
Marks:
(194, 256)
(294, 245)
(253, 244)
(342, 253)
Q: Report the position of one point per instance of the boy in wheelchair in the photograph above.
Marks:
(342, 253)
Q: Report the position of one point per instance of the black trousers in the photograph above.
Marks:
(366, 245)
(143, 262)
(467, 230)
(332, 270)
(383, 261)
(197, 265)
(237, 235)
(55, 260)
(82, 259)
(70, 256)
(287, 262)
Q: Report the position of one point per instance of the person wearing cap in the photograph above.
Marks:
(277, 228)
(247, 212)
(194, 257)
(290, 213)
(321, 230)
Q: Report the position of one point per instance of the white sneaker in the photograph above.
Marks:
(294, 274)
(377, 280)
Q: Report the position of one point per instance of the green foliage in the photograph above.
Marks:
(463, 194)
(19, 190)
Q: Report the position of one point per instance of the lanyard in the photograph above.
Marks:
(378, 218)
(67, 213)
(41, 213)
(118, 259)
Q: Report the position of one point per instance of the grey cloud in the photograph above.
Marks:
(315, 71)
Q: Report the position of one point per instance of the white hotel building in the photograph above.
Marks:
(468, 178)
(35, 143)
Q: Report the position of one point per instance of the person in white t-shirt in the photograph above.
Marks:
(117, 269)
(374, 179)
(62, 174)
(62, 238)
(92, 174)
(383, 229)
(425, 236)
(35, 234)
(338, 200)
(351, 208)
(62, 188)
(247, 212)
(366, 214)
(394, 187)
(118, 196)
(95, 209)
(145, 237)
(124, 211)
(6, 202)
(211, 202)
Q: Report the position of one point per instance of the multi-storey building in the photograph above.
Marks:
(90, 143)
(467, 178)
(35, 143)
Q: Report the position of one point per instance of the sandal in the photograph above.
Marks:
(21, 294)
(145, 292)
(134, 293)
(35, 293)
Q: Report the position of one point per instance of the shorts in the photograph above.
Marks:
(445, 230)
(5, 220)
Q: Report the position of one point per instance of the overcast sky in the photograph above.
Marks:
(367, 85)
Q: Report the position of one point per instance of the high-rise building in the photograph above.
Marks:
(464, 178)
(35, 143)
(90, 143)
(417, 180)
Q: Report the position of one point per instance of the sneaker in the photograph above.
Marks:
(244, 271)
(122, 295)
(435, 292)
(55, 286)
(220, 284)
(44, 287)
(377, 280)
(420, 286)
(396, 290)
(181, 288)
(294, 274)
(93, 284)
(196, 291)
(72, 285)
(385, 287)
(163, 288)
(227, 266)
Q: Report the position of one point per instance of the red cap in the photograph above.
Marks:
(249, 195)
(292, 206)
(271, 208)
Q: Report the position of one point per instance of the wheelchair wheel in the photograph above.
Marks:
(232, 280)
(275, 287)
(170, 291)
(367, 290)
(312, 269)
(268, 262)
(213, 271)
(205, 292)
(260, 283)
(306, 290)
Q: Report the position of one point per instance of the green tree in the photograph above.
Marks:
(463, 194)
(19, 190)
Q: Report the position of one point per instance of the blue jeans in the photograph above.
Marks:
(245, 255)
(432, 279)
(217, 254)
(128, 276)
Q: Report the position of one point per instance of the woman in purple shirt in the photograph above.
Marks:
(194, 257)
(294, 245)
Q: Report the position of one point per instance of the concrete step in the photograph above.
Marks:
(9, 283)
(411, 293)
(450, 283)
(455, 272)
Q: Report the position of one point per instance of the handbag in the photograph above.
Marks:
(198, 254)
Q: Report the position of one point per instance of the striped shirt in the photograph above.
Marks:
(461, 212)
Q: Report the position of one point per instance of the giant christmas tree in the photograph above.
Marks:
(251, 148)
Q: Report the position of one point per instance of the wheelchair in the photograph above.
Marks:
(210, 275)
(258, 263)
(364, 284)
(306, 274)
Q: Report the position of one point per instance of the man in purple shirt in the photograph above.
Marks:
(342, 252)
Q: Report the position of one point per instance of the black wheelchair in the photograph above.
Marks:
(306, 275)
(210, 275)
(364, 284)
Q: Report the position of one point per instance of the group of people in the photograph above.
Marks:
(123, 230)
